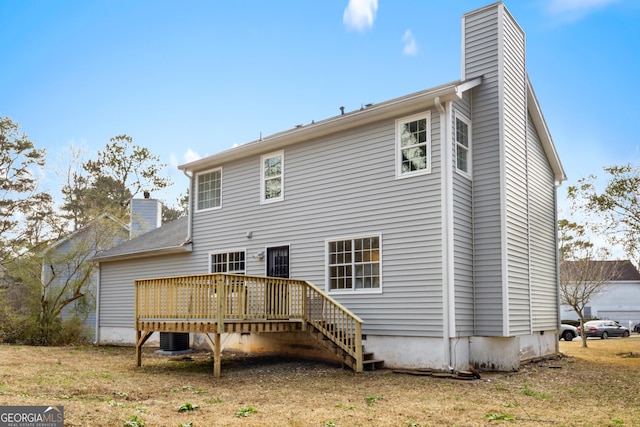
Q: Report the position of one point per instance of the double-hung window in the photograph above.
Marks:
(353, 264)
(228, 262)
(413, 145)
(463, 144)
(272, 177)
(209, 190)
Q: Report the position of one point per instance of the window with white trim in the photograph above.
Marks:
(413, 145)
(353, 264)
(209, 190)
(272, 172)
(462, 140)
(228, 262)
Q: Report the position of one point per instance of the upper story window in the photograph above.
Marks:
(413, 145)
(463, 144)
(228, 262)
(353, 264)
(209, 190)
(272, 173)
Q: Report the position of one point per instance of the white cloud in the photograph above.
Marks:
(173, 161)
(360, 14)
(191, 156)
(410, 46)
(577, 7)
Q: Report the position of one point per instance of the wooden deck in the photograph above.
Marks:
(213, 304)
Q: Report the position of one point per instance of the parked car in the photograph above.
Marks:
(636, 328)
(568, 332)
(605, 329)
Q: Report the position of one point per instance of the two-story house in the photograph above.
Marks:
(431, 216)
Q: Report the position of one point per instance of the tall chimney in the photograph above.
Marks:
(493, 46)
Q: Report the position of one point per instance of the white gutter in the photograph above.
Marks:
(183, 248)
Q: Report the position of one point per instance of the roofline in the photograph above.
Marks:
(544, 135)
(59, 242)
(170, 250)
(393, 108)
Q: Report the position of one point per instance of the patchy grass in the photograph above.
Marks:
(101, 386)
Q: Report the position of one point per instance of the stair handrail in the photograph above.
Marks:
(352, 345)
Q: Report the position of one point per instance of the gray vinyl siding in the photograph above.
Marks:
(516, 188)
(338, 187)
(544, 276)
(481, 58)
(117, 284)
(463, 234)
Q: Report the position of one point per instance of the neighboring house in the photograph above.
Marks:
(431, 216)
(67, 260)
(66, 265)
(620, 301)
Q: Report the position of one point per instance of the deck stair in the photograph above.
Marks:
(369, 363)
(229, 303)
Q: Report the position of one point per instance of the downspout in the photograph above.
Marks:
(189, 210)
(97, 331)
(558, 261)
(448, 307)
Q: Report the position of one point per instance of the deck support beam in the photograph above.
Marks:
(140, 340)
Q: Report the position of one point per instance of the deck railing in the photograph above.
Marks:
(235, 298)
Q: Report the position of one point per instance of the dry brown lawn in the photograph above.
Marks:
(101, 386)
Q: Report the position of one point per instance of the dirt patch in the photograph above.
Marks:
(101, 386)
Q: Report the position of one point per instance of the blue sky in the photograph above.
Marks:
(191, 78)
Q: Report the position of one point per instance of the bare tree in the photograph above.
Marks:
(584, 273)
(612, 212)
(63, 273)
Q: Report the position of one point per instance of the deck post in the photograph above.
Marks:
(303, 304)
(220, 303)
(359, 364)
(216, 355)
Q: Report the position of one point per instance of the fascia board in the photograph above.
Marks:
(186, 248)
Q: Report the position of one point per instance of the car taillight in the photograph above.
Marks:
(593, 329)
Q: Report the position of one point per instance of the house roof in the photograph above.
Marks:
(84, 228)
(624, 269)
(171, 238)
(371, 113)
